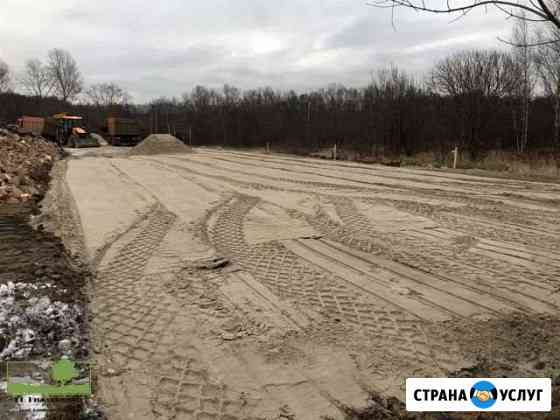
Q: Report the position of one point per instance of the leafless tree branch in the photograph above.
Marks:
(65, 74)
(531, 10)
(107, 94)
(36, 79)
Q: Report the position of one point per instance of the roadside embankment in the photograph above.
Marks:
(43, 296)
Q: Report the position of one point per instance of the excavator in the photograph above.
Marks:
(68, 130)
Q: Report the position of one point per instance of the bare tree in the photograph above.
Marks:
(535, 10)
(490, 73)
(65, 74)
(201, 97)
(4, 77)
(107, 94)
(547, 59)
(394, 87)
(36, 79)
(232, 95)
(523, 58)
(475, 81)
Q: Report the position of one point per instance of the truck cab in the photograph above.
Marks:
(68, 130)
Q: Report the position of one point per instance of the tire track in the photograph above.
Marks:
(128, 305)
(184, 388)
(458, 196)
(242, 184)
(378, 172)
(510, 253)
(396, 185)
(430, 257)
(202, 185)
(349, 234)
(481, 223)
(432, 293)
(314, 184)
(290, 278)
(139, 324)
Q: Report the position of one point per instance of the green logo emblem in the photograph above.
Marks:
(64, 371)
(65, 378)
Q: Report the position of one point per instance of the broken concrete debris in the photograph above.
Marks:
(24, 166)
(30, 326)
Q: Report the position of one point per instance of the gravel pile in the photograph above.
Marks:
(157, 144)
(25, 163)
(36, 325)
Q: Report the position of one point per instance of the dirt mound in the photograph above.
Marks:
(157, 144)
(25, 163)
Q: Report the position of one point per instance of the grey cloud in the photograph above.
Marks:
(166, 48)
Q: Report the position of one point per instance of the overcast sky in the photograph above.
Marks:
(166, 47)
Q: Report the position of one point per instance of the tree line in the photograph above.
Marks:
(478, 100)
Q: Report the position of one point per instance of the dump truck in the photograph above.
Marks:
(122, 131)
(68, 130)
(30, 125)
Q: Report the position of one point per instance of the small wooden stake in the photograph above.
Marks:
(455, 155)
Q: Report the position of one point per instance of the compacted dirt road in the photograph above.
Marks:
(238, 285)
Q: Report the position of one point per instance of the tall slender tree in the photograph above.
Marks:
(547, 59)
(66, 76)
(524, 62)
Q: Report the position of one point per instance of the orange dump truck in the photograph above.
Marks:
(31, 125)
(122, 131)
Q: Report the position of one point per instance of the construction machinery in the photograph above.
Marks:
(68, 130)
(30, 125)
(122, 131)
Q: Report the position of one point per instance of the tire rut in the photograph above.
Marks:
(431, 257)
(314, 184)
(129, 304)
(140, 326)
(292, 279)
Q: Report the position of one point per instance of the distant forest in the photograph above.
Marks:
(479, 100)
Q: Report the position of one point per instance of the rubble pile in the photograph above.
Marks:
(31, 326)
(25, 163)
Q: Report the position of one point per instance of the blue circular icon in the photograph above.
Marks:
(484, 394)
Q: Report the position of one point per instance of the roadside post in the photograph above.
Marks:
(455, 155)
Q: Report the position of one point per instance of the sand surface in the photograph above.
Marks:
(242, 285)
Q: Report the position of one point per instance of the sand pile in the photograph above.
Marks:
(156, 144)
